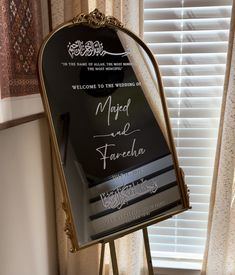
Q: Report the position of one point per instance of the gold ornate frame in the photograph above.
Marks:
(96, 19)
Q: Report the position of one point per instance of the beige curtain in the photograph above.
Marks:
(69, 263)
(130, 249)
(219, 256)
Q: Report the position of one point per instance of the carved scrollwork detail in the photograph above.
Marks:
(68, 226)
(187, 191)
(96, 19)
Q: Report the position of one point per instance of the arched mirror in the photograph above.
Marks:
(111, 133)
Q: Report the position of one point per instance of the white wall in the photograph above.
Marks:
(27, 222)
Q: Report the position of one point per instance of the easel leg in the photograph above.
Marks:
(102, 258)
(113, 258)
(147, 251)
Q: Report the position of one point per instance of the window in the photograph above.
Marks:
(189, 39)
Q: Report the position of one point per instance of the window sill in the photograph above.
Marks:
(177, 267)
(175, 271)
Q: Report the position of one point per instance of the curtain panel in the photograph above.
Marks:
(130, 249)
(219, 255)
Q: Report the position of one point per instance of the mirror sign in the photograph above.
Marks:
(118, 167)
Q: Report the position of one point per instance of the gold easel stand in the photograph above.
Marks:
(114, 257)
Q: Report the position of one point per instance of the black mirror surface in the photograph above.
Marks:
(110, 131)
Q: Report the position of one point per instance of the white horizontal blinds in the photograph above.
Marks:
(189, 39)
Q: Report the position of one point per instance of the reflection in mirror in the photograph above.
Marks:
(104, 101)
(146, 75)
